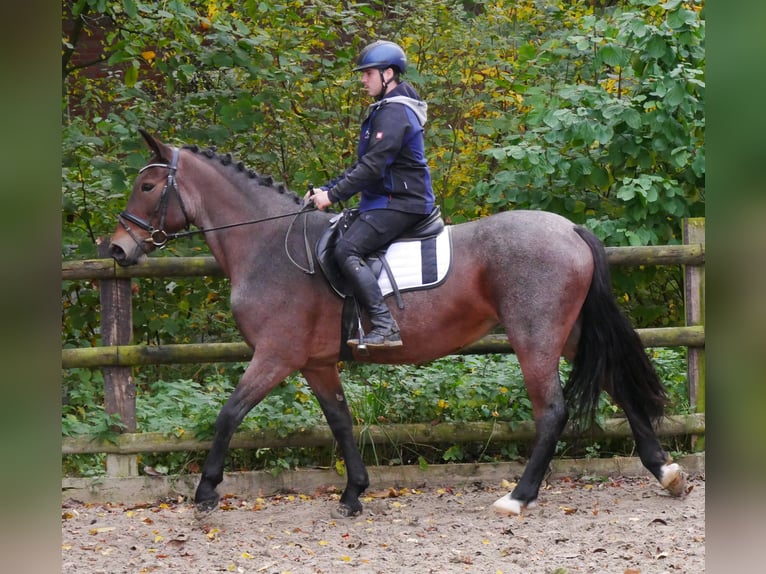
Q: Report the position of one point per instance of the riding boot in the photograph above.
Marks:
(385, 331)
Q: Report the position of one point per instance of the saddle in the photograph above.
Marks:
(422, 238)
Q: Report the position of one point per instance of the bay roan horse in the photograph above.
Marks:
(539, 276)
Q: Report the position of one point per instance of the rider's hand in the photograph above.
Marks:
(319, 198)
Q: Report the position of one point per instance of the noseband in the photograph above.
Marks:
(157, 235)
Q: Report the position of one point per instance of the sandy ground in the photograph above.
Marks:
(616, 525)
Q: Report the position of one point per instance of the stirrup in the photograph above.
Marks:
(377, 341)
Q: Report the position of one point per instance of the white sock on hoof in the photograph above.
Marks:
(673, 479)
(508, 505)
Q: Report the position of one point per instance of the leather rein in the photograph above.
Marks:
(159, 238)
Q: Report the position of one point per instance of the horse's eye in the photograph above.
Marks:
(147, 186)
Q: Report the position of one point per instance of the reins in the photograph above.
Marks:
(159, 237)
(295, 214)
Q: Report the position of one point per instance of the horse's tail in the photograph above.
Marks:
(610, 355)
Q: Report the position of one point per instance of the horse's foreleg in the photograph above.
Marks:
(325, 383)
(551, 416)
(259, 378)
(231, 415)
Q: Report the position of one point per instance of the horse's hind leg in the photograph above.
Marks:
(671, 475)
(541, 378)
(326, 385)
(259, 378)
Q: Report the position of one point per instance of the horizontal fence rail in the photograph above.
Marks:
(421, 433)
(201, 266)
(134, 355)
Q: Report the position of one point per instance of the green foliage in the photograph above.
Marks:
(462, 388)
(595, 114)
(611, 132)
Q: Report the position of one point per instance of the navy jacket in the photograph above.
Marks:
(391, 170)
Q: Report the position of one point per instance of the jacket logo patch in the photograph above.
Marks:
(379, 136)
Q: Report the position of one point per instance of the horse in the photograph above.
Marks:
(540, 277)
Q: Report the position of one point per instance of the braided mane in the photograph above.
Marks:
(227, 161)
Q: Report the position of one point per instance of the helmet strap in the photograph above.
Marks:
(384, 84)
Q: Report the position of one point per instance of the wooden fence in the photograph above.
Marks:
(117, 356)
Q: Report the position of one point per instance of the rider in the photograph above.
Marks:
(392, 174)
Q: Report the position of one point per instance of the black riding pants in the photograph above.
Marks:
(372, 231)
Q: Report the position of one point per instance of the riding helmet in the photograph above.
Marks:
(382, 54)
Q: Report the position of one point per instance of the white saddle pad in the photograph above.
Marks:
(418, 263)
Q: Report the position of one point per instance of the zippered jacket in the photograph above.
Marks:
(391, 170)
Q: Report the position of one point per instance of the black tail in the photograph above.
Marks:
(610, 355)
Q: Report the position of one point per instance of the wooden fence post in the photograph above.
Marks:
(119, 386)
(694, 303)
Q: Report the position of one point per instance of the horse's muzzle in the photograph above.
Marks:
(125, 257)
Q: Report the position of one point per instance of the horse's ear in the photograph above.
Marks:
(159, 149)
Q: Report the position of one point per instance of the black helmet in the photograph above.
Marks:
(381, 55)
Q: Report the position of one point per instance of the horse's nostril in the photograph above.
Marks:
(116, 252)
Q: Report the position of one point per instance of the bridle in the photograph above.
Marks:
(159, 238)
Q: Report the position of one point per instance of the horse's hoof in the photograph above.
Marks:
(673, 479)
(508, 505)
(204, 509)
(345, 511)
